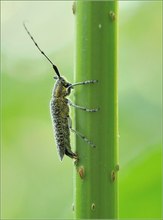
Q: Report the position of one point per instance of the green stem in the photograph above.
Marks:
(95, 187)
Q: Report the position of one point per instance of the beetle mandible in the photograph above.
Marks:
(59, 107)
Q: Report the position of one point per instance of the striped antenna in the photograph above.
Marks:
(54, 66)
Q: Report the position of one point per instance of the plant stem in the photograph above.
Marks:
(96, 182)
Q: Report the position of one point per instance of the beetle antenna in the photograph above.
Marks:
(54, 66)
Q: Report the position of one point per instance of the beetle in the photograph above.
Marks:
(59, 108)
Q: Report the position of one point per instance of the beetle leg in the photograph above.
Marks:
(82, 108)
(83, 83)
(79, 134)
(71, 154)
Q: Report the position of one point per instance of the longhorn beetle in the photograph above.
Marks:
(59, 107)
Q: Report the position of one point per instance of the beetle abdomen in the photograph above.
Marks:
(59, 112)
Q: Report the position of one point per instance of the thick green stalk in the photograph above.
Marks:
(95, 189)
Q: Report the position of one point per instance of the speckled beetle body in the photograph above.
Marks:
(59, 108)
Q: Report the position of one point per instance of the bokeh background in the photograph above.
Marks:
(35, 184)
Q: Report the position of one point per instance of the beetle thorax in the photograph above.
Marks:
(60, 88)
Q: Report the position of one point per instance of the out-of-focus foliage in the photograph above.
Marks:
(35, 184)
(140, 111)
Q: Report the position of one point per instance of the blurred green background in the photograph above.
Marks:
(35, 184)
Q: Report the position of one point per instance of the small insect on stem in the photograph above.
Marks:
(59, 108)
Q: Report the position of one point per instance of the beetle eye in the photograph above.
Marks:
(68, 84)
